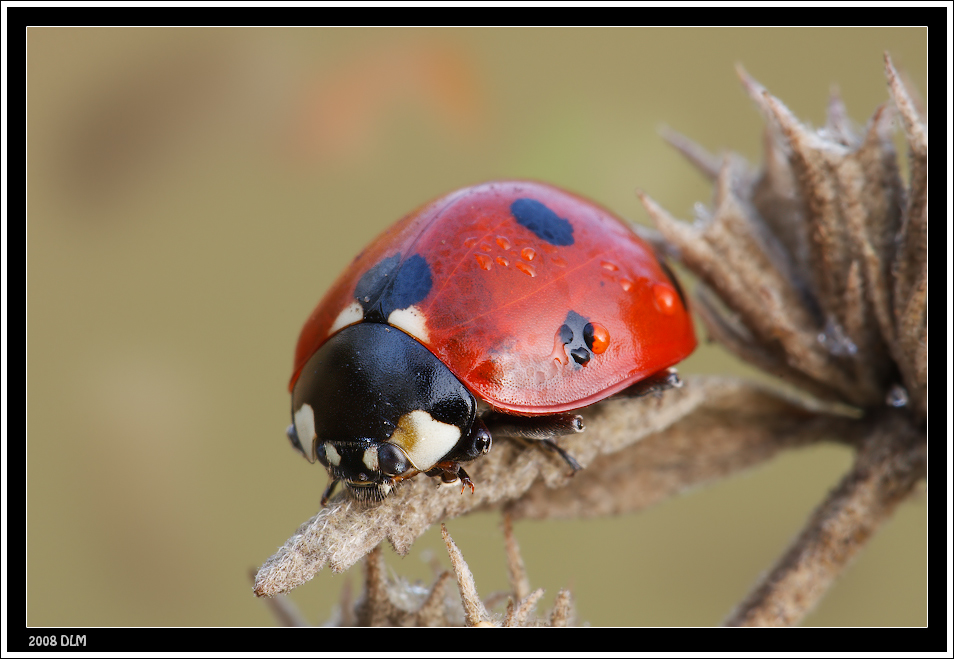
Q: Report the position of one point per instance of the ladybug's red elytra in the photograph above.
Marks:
(498, 309)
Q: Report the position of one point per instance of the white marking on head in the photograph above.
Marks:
(332, 455)
(424, 439)
(370, 458)
(351, 314)
(305, 429)
(411, 320)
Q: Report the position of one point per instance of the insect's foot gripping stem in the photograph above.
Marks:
(465, 481)
(451, 472)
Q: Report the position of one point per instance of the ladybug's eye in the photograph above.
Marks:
(391, 460)
(321, 454)
(480, 443)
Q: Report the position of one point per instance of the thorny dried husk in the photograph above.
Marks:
(812, 268)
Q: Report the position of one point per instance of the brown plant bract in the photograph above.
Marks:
(812, 268)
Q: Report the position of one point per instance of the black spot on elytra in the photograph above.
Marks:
(393, 284)
(573, 334)
(588, 335)
(542, 221)
(580, 355)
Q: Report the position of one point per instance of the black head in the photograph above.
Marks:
(374, 406)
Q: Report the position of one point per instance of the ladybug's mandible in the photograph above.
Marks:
(494, 310)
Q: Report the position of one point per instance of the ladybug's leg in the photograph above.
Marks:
(464, 480)
(654, 384)
(450, 472)
(553, 446)
(541, 429)
(328, 491)
(477, 442)
(533, 427)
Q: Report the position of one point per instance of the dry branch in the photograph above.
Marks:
(533, 483)
(890, 462)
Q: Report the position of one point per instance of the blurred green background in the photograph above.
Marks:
(192, 194)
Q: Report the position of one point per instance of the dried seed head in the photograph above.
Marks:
(814, 267)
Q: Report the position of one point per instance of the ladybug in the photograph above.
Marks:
(498, 309)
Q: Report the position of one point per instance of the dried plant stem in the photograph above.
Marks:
(286, 614)
(637, 452)
(518, 614)
(890, 461)
(475, 615)
(518, 572)
(376, 608)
